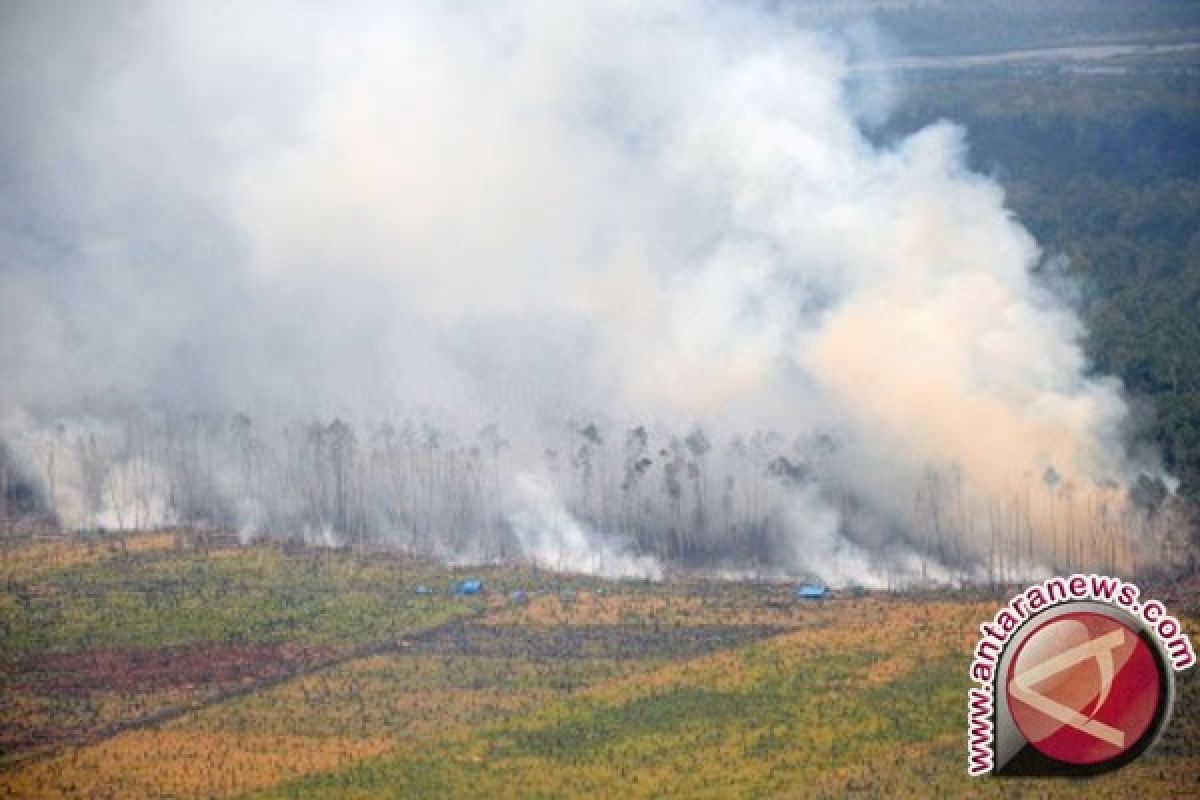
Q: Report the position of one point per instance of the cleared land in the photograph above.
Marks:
(150, 671)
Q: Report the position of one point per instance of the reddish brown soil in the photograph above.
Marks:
(55, 699)
(203, 664)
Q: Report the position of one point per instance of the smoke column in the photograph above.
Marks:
(513, 220)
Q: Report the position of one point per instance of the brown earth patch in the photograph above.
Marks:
(157, 669)
(55, 699)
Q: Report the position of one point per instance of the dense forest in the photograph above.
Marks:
(942, 27)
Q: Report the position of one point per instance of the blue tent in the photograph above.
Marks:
(469, 587)
(811, 591)
(423, 589)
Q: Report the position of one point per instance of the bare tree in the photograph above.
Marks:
(93, 467)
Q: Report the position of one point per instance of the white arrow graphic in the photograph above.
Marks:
(1100, 649)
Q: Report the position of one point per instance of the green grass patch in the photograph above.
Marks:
(158, 599)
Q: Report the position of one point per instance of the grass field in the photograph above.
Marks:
(153, 671)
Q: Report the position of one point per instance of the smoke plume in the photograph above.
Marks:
(605, 285)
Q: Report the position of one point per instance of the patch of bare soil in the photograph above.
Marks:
(157, 669)
(55, 699)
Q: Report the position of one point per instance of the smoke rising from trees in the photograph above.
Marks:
(606, 286)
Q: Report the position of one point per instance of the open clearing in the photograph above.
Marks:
(150, 670)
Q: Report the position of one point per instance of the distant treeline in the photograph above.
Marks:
(942, 27)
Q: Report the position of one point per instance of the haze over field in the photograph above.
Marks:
(606, 286)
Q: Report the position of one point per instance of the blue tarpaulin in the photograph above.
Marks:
(470, 586)
(811, 591)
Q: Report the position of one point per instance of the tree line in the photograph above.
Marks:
(762, 501)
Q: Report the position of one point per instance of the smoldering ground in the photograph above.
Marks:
(605, 286)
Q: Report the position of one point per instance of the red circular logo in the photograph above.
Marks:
(1084, 688)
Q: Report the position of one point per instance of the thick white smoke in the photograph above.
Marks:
(551, 537)
(657, 212)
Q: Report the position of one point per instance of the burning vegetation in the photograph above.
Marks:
(619, 501)
(556, 303)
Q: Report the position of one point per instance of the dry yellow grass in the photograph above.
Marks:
(30, 558)
(905, 634)
(50, 716)
(185, 764)
(723, 606)
(369, 698)
(151, 541)
(701, 726)
(313, 724)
